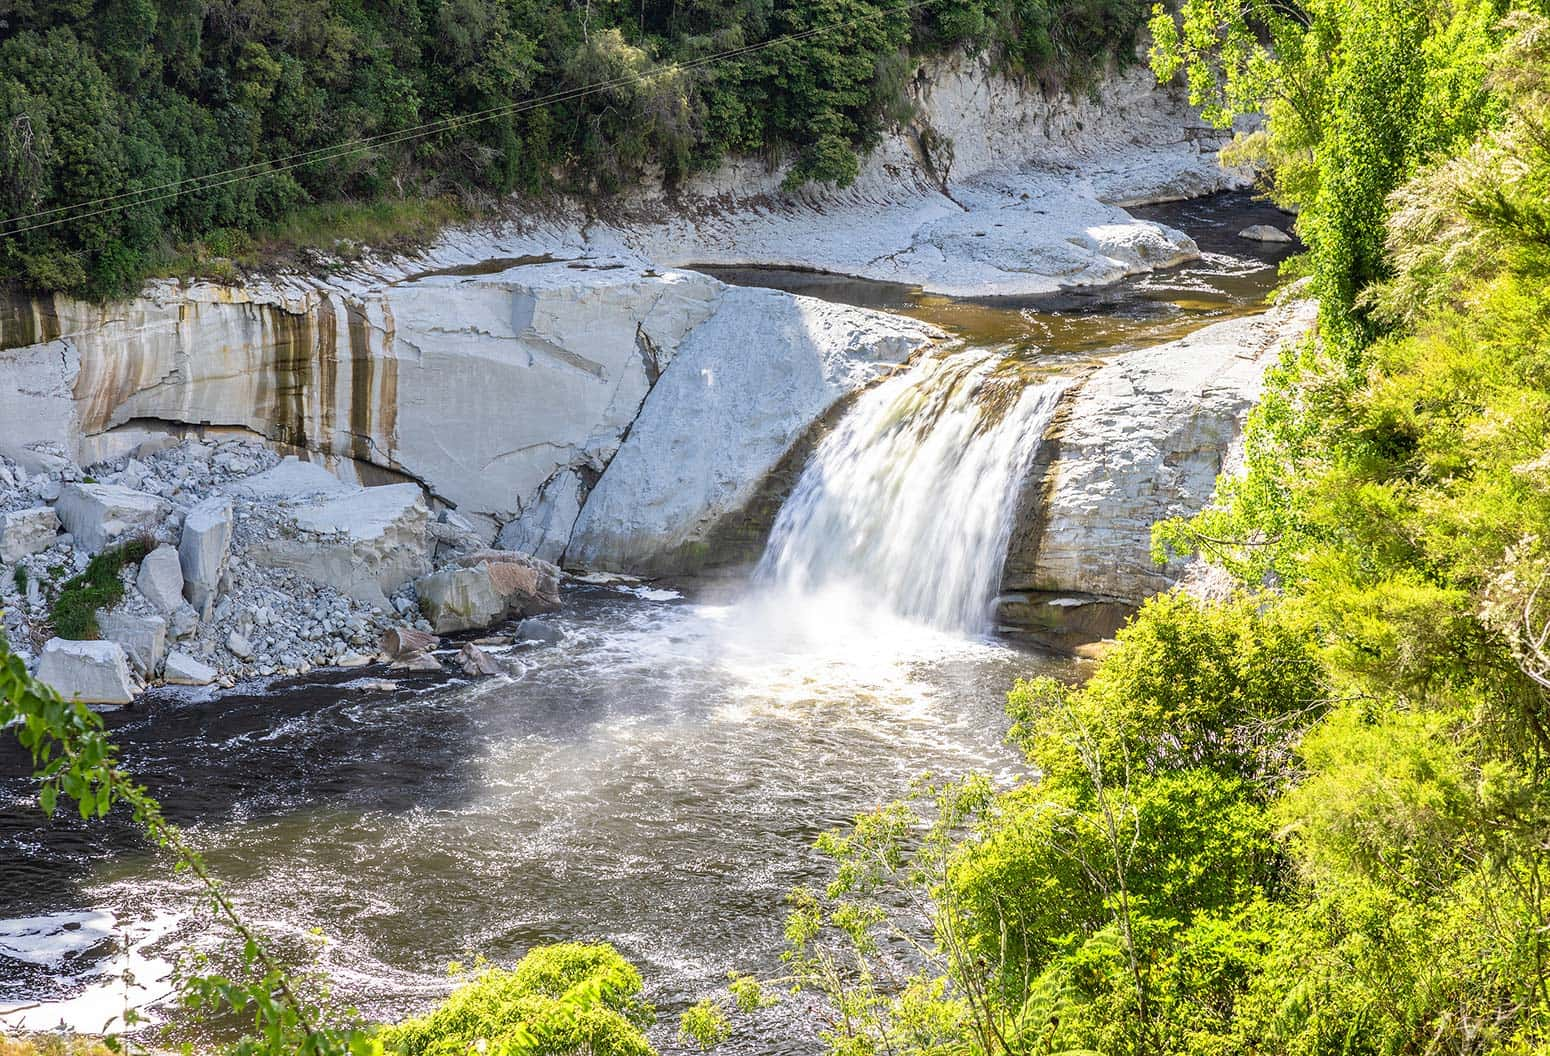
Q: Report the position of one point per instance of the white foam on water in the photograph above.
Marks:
(89, 994)
(54, 938)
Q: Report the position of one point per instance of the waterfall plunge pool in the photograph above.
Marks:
(655, 777)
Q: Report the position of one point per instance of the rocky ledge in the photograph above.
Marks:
(1140, 439)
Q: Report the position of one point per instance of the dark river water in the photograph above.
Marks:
(655, 778)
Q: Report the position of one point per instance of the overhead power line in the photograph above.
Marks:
(270, 167)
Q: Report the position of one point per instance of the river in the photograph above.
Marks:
(654, 777)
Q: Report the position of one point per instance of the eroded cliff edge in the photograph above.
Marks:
(1138, 440)
(558, 384)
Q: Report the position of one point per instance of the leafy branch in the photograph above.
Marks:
(73, 758)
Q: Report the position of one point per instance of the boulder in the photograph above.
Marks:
(460, 599)
(366, 543)
(100, 515)
(542, 632)
(161, 578)
(143, 638)
(419, 661)
(24, 532)
(91, 672)
(475, 662)
(238, 645)
(400, 641)
(182, 622)
(486, 587)
(744, 388)
(183, 670)
(202, 551)
(1264, 233)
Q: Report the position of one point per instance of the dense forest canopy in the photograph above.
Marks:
(102, 98)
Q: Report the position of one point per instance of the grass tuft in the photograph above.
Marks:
(54, 1045)
(100, 586)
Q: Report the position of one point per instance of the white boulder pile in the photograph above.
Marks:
(253, 565)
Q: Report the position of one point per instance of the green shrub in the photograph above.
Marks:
(99, 586)
(1190, 685)
(560, 999)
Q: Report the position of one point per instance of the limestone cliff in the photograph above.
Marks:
(490, 390)
(1141, 439)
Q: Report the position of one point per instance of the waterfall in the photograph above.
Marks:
(910, 501)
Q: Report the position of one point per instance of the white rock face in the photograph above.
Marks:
(37, 402)
(544, 528)
(160, 578)
(743, 389)
(183, 670)
(91, 672)
(539, 369)
(1022, 194)
(203, 550)
(24, 532)
(143, 638)
(1144, 439)
(99, 515)
(366, 543)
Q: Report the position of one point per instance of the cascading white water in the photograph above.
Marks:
(911, 499)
